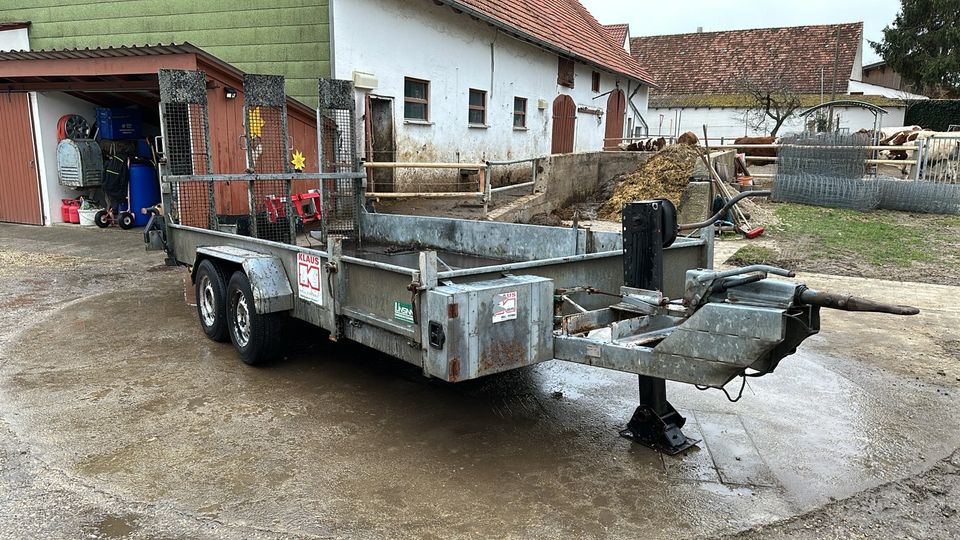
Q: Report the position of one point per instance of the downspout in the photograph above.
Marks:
(646, 127)
(332, 40)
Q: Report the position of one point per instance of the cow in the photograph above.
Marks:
(759, 152)
(650, 144)
(942, 157)
(688, 138)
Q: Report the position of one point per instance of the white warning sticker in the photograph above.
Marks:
(506, 308)
(309, 286)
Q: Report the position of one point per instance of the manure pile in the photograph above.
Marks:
(663, 176)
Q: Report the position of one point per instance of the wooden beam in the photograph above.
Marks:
(80, 86)
(96, 67)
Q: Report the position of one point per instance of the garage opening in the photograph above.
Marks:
(90, 121)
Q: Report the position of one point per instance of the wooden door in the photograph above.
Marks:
(19, 181)
(383, 144)
(616, 107)
(564, 124)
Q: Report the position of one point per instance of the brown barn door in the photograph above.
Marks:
(19, 181)
(382, 142)
(616, 107)
(564, 123)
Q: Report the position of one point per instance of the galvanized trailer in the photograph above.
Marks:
(460, 299)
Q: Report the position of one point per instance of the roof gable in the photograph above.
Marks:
(617, 32)
(563, 26)
(713, 62)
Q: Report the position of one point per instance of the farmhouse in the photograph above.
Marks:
(485, 79)
(451, 80)
(703, 78)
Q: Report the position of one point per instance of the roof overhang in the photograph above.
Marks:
(128, 72)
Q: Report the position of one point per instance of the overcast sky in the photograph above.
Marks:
(648, 18)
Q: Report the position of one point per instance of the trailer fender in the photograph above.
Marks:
(268, 280)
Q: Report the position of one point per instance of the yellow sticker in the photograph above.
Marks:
(298, 160)
(255, 122)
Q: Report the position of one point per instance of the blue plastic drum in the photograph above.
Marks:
(144, 190)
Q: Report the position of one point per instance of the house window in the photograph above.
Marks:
(565, 72)
(595, 83)
(519, 112)
(478, 108)
(416, 94)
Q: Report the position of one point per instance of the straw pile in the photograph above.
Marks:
(663, 176)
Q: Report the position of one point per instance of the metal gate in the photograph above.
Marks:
(936, 184)
(343, 190)
(19, 181)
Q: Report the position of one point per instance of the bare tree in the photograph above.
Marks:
(769, 100)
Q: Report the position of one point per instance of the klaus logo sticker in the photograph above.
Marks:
(506, 307)
(308, 278)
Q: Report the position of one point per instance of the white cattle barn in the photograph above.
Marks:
(704, 78)
(473, 80)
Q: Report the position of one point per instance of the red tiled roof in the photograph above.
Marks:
(617, 32)
(714, 62)
(564, 26)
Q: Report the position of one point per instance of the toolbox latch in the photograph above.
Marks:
(437, 337)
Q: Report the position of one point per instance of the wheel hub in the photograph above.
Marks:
(242, 321)
(208, 302)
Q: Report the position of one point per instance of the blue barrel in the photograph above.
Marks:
(144, 190)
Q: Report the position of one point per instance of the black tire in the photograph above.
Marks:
(127, 220)
(255, 336)
(100, 218)
(211, 293)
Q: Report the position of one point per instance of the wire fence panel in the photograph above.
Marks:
(830, 170)
(272, 215)
(936, 187)
(825, 169)
(340, 197)
(186, 135)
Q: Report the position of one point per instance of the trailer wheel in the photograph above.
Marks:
(253, 335)
(127, 220)
(211, 294)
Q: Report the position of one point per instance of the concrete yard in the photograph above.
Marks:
(119, 419)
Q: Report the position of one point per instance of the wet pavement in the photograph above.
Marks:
(116, 408)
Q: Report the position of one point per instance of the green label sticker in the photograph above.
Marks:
(403, 312)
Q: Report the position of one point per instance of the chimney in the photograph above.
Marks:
(699, 29)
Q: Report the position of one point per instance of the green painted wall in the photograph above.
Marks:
(276, 37)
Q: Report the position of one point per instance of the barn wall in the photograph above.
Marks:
(282, 37)
(729, 122)
(456, 53)
(226, 145)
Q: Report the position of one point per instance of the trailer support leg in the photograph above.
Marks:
(656, 423)
(648, 227)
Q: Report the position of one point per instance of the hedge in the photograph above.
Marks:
(935, 114)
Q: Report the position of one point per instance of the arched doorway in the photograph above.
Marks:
(564, 122)
(616, 107)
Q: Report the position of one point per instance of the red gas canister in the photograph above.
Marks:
(75, 213)
(65, 205)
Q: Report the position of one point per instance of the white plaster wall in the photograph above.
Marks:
(393, 39)
(14, 40)
(48, 107)
(729, 122)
